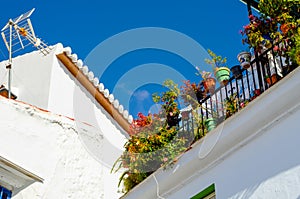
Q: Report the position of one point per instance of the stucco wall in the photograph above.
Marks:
(43, 81)
(31, 76)
(68, 97)
(50, 147)
(267, 167)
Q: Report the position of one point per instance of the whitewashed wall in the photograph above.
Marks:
(268, 167)
(50, 147)
(30, 76)
(44, 82)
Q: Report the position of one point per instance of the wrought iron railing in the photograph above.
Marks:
(266, 68)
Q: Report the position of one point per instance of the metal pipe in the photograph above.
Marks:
(10, 59)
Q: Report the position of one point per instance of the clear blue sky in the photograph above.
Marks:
(84, 24)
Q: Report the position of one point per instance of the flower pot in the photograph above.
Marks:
(272, 80)
(267, 40)
(267, 37)
(244, 59)
(200, 94)
(173, 120)
(210, 124)
(222, 74)
(284, 28)
(237, 72)
(257, 92)
(209, 85)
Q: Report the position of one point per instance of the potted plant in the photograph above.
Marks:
(198, 121)
(259, 32)
(210, 123)
(244, 59)
(294, 52)
(271, 80)
(276, 9)
(218, 63)
(192, 93)
(169, 103)
(237, 72)
(209, 83)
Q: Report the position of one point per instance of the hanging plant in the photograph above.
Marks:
(218, 64)
(259, 32)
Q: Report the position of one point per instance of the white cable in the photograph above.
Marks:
(157, 188)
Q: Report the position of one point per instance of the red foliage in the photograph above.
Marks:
(139, 123)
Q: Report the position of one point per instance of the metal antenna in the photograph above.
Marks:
(17, 34)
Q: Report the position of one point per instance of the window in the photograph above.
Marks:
(211, 196)
(208, 193)
(14, 178)
(4, 193)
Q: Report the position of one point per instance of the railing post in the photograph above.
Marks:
(258, 68)
(249, 7)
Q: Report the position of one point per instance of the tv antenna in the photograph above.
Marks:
(17, 34)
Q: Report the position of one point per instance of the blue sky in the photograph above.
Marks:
(85, 24)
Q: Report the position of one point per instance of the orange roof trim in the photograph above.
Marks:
(94, 91)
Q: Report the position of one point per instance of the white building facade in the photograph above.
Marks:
(61, 136)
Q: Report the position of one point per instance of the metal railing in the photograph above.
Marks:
(266, 68)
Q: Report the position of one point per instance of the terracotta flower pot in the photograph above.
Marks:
(284, 28)
(222, 74)
(244, 59)
(209, 85)
(272, 80)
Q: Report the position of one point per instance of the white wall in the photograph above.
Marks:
(44, 82)
(50, 147)
(267, 167)
(68, 97)
(31, 76)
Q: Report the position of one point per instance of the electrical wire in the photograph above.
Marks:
(157, 188)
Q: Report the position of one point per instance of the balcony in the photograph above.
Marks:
(244, 153)
(266, 70)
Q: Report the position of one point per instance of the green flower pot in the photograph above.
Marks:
(222, 74)
(210, 124)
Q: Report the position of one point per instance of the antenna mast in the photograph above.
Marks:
(17, 34)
